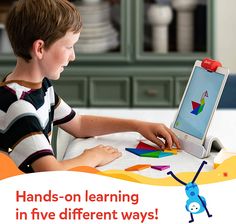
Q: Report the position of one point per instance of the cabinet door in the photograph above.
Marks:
(180, 84)
(105, 91)
(153, 91)
(105, 36)
(166, 34)
(72, 90)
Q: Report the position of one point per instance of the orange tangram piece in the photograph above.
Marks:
(138, 167)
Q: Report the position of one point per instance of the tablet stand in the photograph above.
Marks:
(201, 151)
(210, 142)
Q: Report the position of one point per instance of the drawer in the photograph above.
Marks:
(153, 91)
(109, 91)
(180, 84)
(73, 90)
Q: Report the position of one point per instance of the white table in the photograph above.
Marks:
(223, 126)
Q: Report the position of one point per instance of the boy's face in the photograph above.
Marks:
(59, 55)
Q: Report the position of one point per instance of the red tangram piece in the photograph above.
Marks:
(143, 145)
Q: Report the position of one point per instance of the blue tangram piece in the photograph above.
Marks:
(149, 152)
(139, 152)
(164, 154)
(195, 111)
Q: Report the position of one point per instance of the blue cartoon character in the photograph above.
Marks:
(195, 203)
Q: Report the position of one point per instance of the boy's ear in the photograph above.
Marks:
(38, 48)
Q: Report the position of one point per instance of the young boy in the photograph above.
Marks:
(42, 34)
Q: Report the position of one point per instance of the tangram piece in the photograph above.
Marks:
(164, 154)
(160, 167)
(139, 152)
(149, 153)
(138, 167)
(173, 150)
(143, 145)
(157, 154)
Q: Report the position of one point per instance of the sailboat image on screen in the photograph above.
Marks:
(198, 107)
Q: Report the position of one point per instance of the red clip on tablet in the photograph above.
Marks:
(210, 65)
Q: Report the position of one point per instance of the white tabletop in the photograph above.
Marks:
(223, 126)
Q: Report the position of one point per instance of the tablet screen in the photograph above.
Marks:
(199, 101)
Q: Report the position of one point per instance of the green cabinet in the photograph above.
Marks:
(134, 72)
(109, 91)
(153, 91)
(74, 90)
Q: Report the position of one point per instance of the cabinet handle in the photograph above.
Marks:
(151, 92)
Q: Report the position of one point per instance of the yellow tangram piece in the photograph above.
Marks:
(173, 150)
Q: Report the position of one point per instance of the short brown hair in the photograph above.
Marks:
(48, 20)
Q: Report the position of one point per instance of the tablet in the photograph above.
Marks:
(199, 102)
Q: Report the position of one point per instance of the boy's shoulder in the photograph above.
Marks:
(22, 83)
(11, 91)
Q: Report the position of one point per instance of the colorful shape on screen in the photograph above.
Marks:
(198, 107)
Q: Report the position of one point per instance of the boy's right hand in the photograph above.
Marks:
(100, 155)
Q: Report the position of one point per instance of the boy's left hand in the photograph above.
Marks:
(155, 131)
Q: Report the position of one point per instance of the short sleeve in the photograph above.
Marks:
(26, 120)
(62, 112)
(25, 136)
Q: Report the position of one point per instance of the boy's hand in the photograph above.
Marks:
(97, 156)
(155, 131)
(100, 155)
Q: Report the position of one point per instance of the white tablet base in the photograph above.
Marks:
(201, 151)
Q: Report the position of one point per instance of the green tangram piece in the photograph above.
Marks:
(151, 154)
(157, 154)
(201, 108)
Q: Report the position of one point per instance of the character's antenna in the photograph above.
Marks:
(176, 178)
(199, 170)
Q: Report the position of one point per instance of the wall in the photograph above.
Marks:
(225, 33)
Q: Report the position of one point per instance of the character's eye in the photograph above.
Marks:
(187, 188)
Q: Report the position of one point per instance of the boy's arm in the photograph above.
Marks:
(97, 156)
(88, 125)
